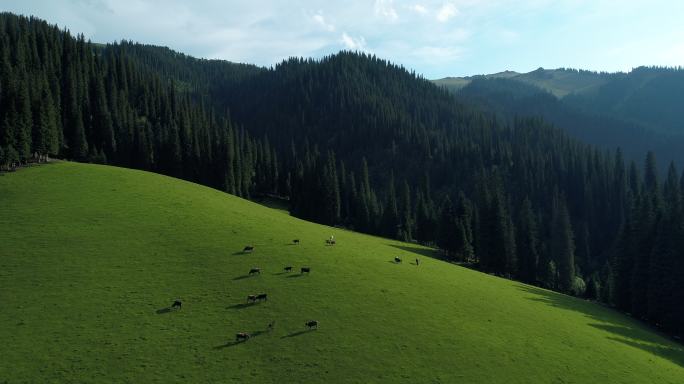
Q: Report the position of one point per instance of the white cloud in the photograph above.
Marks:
(320, 20)
(446, 12)
(353, 44)
(490, 35)
(418, 8)
(385, 8)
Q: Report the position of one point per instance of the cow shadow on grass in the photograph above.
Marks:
(162, 311)
(630, 332)
(242, 277)
(242, 305)
(296, 275)
(298, 333)
(238, 342)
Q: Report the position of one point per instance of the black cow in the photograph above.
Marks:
(255, 270)
(397, 260)
(251, 299)
(288, 268)
(242, 336)
(305, 270)
(295, 241)
(177, 303)
(312, 324)
(262, 296)
(248, 248)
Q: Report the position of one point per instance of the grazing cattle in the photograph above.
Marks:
(397, 260)
(242, 336)
(417, 262)
(262, 296)
(248, 248)
(251, 299)
(305, 270)
(295, 241)
(330, 242)
(255, 270)
(312, 324)
(288, 268)
(177, 303)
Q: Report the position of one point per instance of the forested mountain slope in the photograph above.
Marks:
(511, 98)
(638, 111)
(352, 140)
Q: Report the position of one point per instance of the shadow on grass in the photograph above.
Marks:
(242, 277)
(675, 355)
(298, 333)
(296, 275)
(427, 252)
(625, 333)
(163, 310)
(238, 342)
(230, 344)
(241, 305)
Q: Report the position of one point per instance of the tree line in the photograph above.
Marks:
(355, 141)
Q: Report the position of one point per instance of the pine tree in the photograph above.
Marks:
(23, 122)
(464, 233)
(447, 228)
(406, 213)
(45, 130)
(645, 233)
(331, 192)
(661, 277)
(527, 243)
(563, 245)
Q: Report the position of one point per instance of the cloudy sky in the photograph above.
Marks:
(435, 38)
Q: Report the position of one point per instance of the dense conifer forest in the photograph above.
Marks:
(352, 140)
(636, 111)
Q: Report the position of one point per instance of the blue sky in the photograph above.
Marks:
(435, 38)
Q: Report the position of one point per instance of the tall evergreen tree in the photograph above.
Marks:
(563, 245)
(527, 243)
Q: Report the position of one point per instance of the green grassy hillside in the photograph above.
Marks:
(90, 257)
(558, 82)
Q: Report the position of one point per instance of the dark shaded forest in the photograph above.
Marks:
(636, 111)
(352, 140)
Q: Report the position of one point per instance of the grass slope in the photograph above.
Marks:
(90, 255)
(558, 82)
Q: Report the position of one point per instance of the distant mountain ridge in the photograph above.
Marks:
(637, 111)
(559, 82)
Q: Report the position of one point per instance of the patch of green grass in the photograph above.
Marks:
(90, 257)
(558, 82)
(562, 83)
